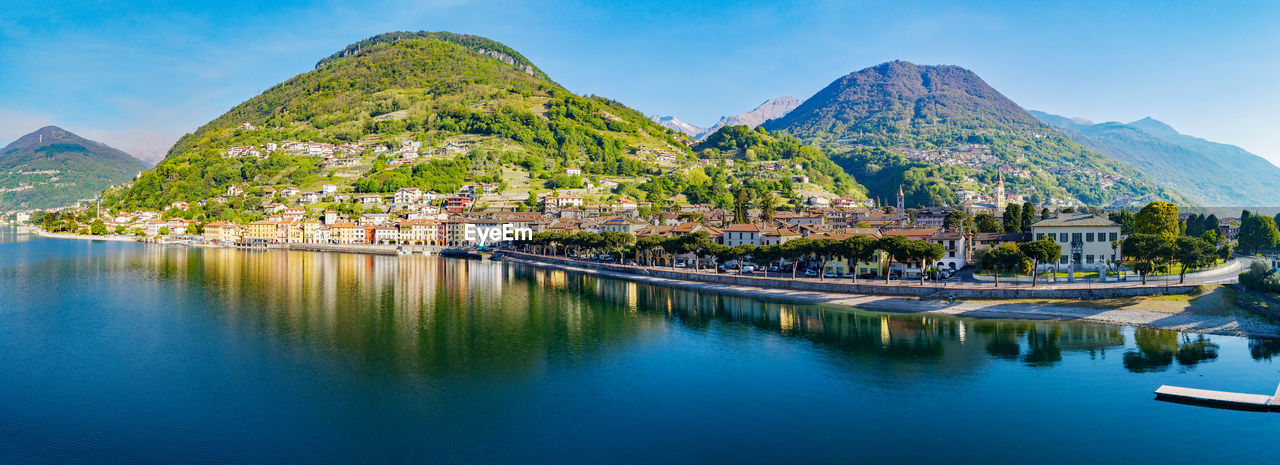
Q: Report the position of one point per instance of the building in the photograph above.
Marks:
(1086, 240)
(408, 195)
(457, 203)
(261, 230)
(221, 231)
(346, 233)
(387, 234)
(933, 216)
(954, 249)
(624, 225)
(740, 234)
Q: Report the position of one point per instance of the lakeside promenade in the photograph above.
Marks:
(1007, 289)
(933, 300)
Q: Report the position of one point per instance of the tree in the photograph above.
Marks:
(164, 231)
(898, 248)
(987, 223)
(1013, 218)
(768, 204)
(648, 245)
(1159, 218)
(794, 250)
(1257, 232)
(1146, 250)
(823, 249)
(694, 243)
(857, 249)
(955, 219)
(924, 253)
(98, 228)
(1028, 215)
(741, 203)
(1193, 252)
(1002, 259)
(1040, 251)
(742, 253)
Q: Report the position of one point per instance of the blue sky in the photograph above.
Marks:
(138, 74)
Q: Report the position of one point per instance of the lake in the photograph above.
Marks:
(123, 352)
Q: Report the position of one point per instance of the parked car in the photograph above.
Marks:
(811, 273)
(867, 276)
(831, 274)
(748, 269)
(680, 265)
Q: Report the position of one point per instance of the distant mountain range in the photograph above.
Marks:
(770, 109)
(1210, 173)
(953, 132)
(52, 167)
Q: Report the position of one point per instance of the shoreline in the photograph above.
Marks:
(1043, 309)
(1184, 321)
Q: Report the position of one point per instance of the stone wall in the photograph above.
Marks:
(847, 287)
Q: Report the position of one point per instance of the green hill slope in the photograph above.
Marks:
(478, 110)
(1210, 173)
(946, 117)
(53, 167)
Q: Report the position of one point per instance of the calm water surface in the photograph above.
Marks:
(120, 352)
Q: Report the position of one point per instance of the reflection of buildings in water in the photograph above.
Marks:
(953, 343)
(425, 313)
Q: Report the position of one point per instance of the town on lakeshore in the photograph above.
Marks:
(566, 232)
(820, 238)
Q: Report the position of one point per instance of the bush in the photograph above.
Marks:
(1261, 277)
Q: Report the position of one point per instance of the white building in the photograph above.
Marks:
(1086, 239)
(739, 234)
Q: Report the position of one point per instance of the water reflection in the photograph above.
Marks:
(957, 343)
(429, 315)
(1157, 349)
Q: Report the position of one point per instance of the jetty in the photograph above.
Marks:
(1219, 399)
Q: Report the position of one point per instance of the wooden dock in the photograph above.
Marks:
(1219, 399)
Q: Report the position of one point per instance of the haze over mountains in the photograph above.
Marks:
(52, 167)
(770, 109)
(1210, 173)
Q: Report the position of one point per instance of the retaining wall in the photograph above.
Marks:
(846, 287)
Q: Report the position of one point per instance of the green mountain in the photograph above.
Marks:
(466, 108)
(1210, 173)
(52, 167)
(951, 131)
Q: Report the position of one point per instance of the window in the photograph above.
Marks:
(1088, 237)
(1114, 236)
(1077, 238)
(951, 254)
(1088, 259)
(1063, 237)
(1063, 260)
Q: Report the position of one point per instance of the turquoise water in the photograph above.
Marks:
(120, 352)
